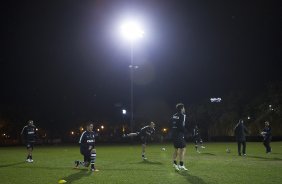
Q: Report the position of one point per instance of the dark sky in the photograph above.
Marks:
(65, 61)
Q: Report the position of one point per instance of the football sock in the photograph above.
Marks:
(92, 159)
(175, 162)
(181, 163)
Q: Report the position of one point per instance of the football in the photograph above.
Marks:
(163, 149)
(62, 181)
(228, 150)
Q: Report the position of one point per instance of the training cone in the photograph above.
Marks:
(62, 181)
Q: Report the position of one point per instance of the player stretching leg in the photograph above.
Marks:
(145, 134)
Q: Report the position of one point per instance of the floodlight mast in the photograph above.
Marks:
(132, 31)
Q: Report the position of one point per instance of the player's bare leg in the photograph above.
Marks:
(143, 152)
(174, 158)
(29, 155)
(181, 159)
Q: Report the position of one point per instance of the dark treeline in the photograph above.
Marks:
(219, 119)
(214, 119)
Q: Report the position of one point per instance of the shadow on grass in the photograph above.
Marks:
(276, 153)
(266, 158)
(209, 154)
(78, 175)
(35, 166)
(12, 164)
(150, 162)
(192, 179)
(135, 169)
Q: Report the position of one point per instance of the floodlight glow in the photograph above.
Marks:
(131, 30)
(123, 111)
(215, 99)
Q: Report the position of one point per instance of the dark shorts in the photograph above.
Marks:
(29, 145)
(197, 139)
(143, 139)
(86, 154)
(179, 141)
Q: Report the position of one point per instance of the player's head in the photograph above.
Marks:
(89, 126)
(180, 107)
(30, 122)
(152, 124)
(266, 123)
(241, 121)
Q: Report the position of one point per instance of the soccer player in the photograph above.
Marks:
(197, 138)
(29, 137)
(240, 132)
(266, 133)
(145, 134)
(178, 130)
(87, 148)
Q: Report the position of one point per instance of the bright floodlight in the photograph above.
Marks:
(215, 100)
(131, 30)
(123, 111)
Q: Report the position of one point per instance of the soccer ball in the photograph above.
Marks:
(228, 150)
(163, 149)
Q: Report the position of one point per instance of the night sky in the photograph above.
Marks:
(63, 62)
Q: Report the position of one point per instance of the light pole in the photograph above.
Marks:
(123, 118)
(131, 31)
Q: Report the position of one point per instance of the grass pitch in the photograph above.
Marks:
(123, 164)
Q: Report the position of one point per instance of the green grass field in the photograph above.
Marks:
(123, 164)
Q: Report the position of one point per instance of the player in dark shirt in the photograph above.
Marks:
(197, 138)
(145, 134)
(266, 133)
(178, 127)
(29, 137)
(240, 131)
(87, 148)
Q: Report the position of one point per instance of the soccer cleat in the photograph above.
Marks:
(144, 158)
(76, 163)
(198, 151)
(30, 160)
(182, 168)
(27, 160)
(175, 167)
(203, 147)
(94, 169)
